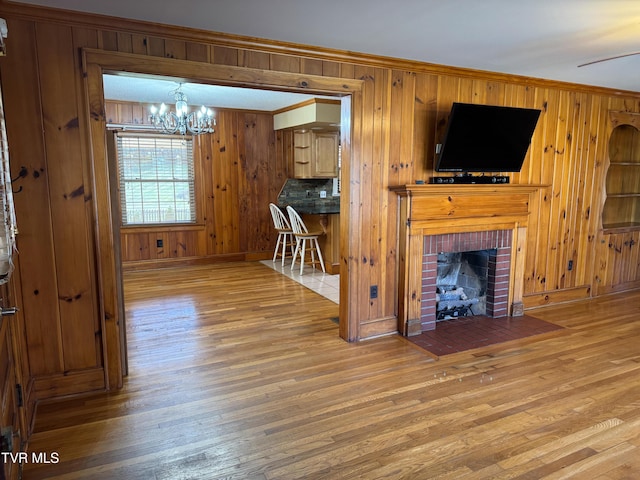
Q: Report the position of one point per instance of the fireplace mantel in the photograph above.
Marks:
(441, 209)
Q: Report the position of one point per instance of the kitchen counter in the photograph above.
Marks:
(312, 208)
(330, 241)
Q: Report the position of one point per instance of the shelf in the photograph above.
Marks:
(625, 164)
(621, 227)
(623, 195)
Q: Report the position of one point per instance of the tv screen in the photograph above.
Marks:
(485, 138)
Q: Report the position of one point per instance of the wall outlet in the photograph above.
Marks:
(159, 243)
(323, 194)
(373, 291)
(570, 266)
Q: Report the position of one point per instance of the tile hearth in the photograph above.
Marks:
(467, 333)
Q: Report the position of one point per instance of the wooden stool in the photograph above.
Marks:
(285, 233)
(303, 235)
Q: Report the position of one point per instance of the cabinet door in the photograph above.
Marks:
(325, 164)
(302, 153)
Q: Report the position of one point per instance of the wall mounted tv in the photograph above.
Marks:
(486, 138)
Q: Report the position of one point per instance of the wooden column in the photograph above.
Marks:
(518, 256)
(410, 249)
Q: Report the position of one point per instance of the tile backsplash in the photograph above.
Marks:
(305, 195)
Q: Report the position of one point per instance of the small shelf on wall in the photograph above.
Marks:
(621, 227)
(621, 210)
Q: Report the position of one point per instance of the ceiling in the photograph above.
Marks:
(546, 39)
(150, 89)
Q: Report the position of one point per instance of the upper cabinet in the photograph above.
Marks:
(316, 136)
(315, 154)
(622, 204)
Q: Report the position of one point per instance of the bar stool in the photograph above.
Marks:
(285, 233)
(302, 235)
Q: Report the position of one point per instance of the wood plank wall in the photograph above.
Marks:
(238, 175)
(398, 116)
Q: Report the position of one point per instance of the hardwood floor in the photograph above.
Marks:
(237, 372)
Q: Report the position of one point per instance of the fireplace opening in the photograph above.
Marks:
(477, 250)
(461, 283)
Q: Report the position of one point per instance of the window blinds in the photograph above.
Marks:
(156, 179)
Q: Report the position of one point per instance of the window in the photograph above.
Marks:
(157, 183)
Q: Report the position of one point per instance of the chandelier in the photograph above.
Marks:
(182, 122)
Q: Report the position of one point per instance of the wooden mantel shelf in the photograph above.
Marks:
(437, 209)
(475, 188)
(440, 204)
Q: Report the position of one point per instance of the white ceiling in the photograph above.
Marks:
(158, 90)
(537, 38)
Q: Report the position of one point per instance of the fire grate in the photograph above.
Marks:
(452, 302)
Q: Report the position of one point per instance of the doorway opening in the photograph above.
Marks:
(113, 175)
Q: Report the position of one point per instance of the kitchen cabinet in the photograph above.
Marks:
(315, 154)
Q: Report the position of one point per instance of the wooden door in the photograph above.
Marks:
(11, 435)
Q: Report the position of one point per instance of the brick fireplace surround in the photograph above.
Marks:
(436, 218)
(498, 275)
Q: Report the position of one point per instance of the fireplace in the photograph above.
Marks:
(461, 283)
(435, 219)
(465, 273)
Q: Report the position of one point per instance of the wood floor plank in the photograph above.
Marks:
(238, 372)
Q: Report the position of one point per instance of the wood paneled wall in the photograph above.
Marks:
(238, 174)
(397, 117)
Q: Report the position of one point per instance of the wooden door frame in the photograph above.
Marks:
(97, 62)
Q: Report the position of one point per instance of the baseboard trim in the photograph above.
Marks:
(556, 297)
(378, 327)
(183, 261)
(69, 383)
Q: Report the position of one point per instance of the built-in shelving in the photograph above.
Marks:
(621, 210)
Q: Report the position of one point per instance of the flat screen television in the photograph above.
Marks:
(486, 138)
